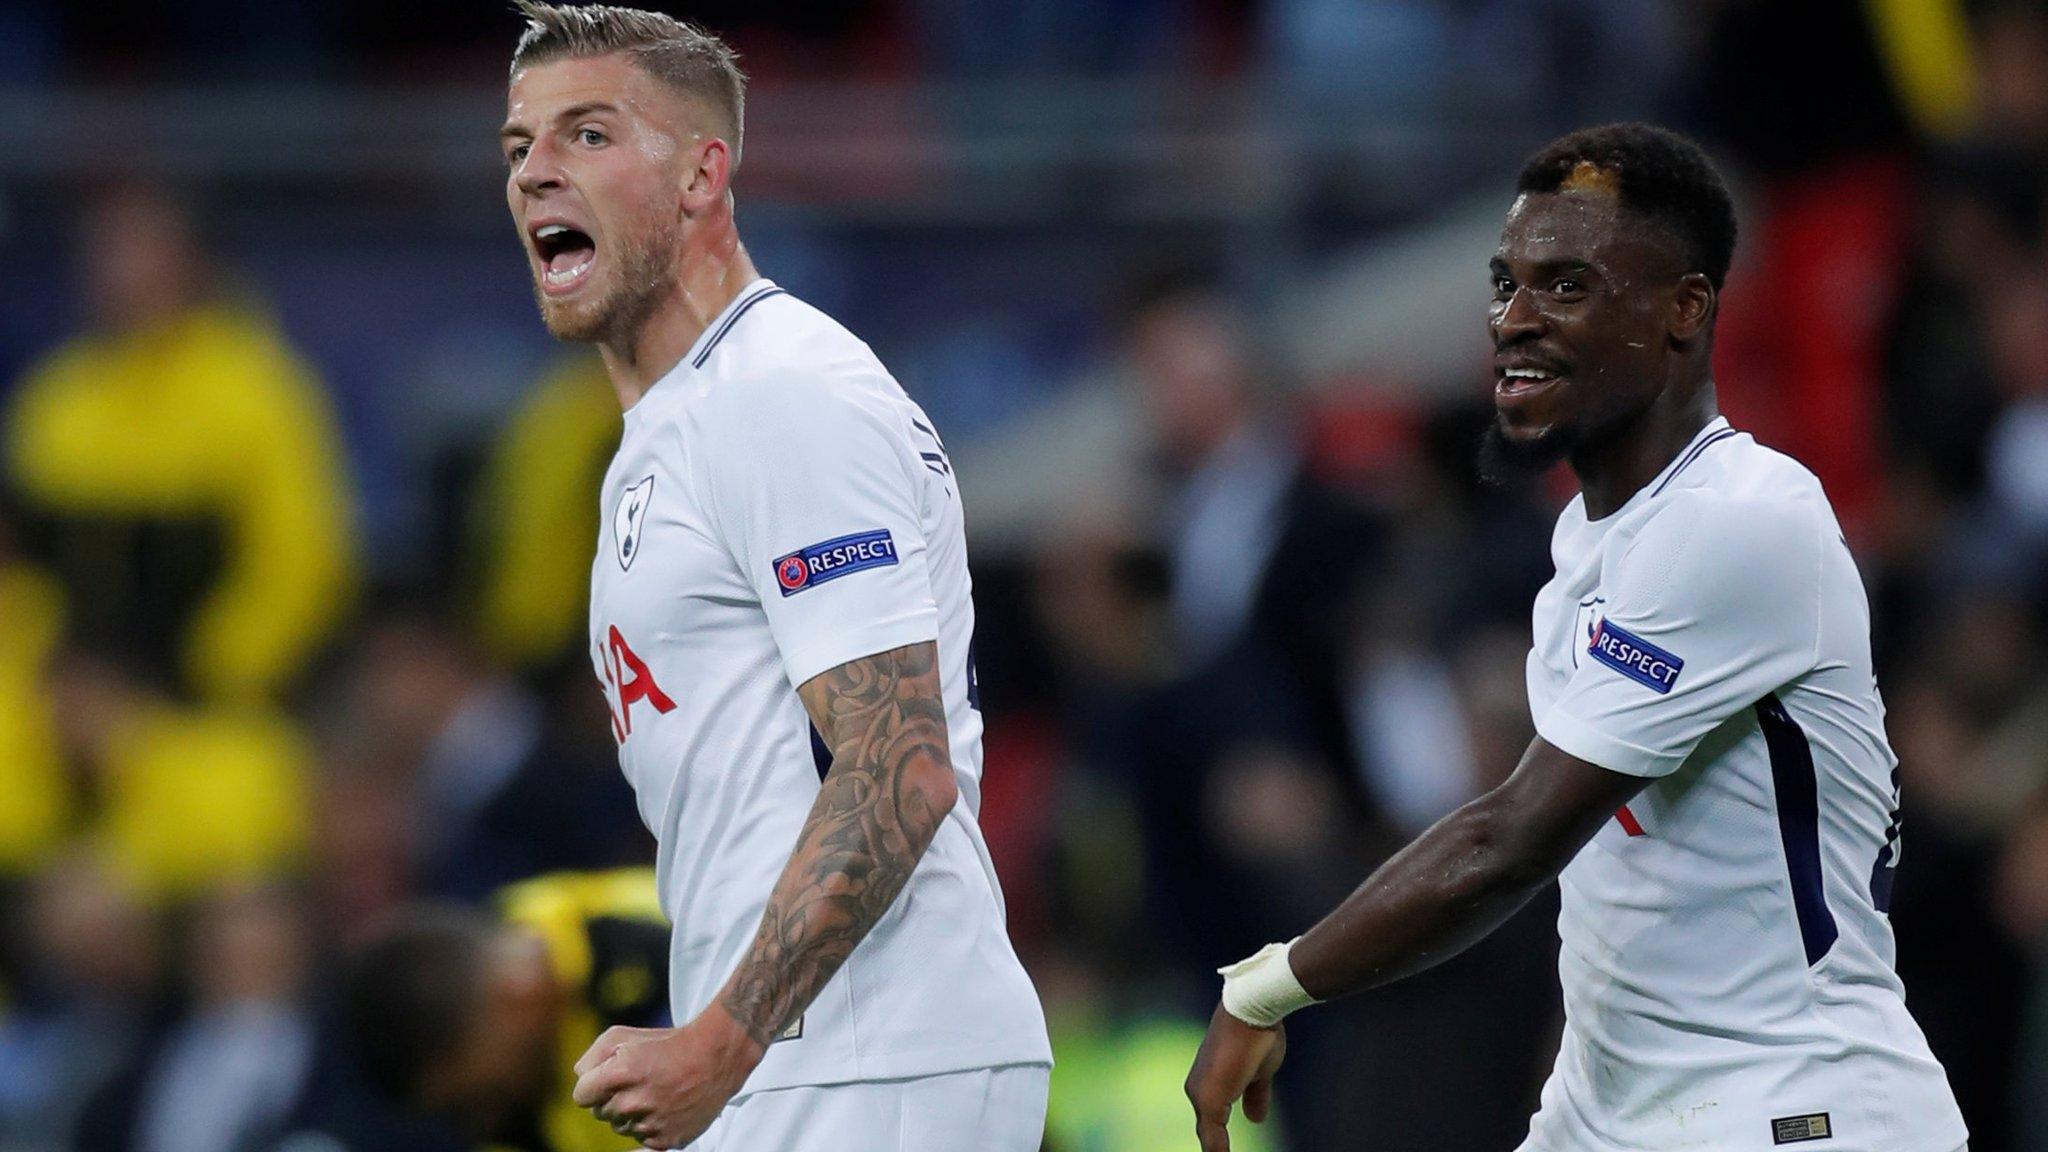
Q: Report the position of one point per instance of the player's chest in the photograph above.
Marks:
(660, 571)
(1567, 618)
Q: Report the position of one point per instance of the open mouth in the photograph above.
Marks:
(1517, 383)
(566, 257)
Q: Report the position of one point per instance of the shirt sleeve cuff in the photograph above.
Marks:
(845, 645)
(1574, 736)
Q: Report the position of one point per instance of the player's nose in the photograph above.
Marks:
(539, 172)
(1517, 318)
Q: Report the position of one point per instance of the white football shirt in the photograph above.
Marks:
(779, 507)
(1726, 957)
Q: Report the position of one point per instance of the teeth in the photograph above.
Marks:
(565, 275)
(551, 231)
(1527, 374)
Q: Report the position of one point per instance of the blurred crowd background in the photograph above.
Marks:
(297, 499)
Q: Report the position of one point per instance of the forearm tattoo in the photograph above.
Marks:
(884, 718)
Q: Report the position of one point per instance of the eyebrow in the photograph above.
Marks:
(572, 112)
(1552, 266)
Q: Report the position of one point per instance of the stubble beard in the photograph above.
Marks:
(1505, 459)
(644, 278)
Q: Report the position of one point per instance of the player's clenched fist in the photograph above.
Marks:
(1236, 1060)
(664, 1086)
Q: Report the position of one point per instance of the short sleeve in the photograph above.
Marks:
(1713, 606)
(807, 484)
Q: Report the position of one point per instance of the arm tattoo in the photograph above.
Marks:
(884, 718)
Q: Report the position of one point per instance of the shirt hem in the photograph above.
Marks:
(807, 662)
(1955, 1142)
(898, 1066)
(1578, 738)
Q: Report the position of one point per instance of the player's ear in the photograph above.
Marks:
(709, 175)
(1692, 307)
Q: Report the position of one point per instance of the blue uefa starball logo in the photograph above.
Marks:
(792, 573)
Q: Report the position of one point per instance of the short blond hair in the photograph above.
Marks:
(683, 56)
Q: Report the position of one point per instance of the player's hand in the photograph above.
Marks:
(664, 1086)
(1235, 1060)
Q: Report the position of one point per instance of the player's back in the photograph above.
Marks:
(1726, 956)
(779, 507)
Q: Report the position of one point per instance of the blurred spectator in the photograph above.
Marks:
(179, 471)
(2017, 455)
(1227, 471)
(1799, 350)
(1968, 979)
(91, 983)
(474, 1023)
(223, 1075)
(536, 518)
(1941, 396)
(1197, 816)
(1057, 38)
(364, 832)
(38, 806)
(1583, 61)
(1439, 626)
(180, 799)
(1261, 553)
(498, 786)
(2012, 86)
(2021, 898)
(1338, 53)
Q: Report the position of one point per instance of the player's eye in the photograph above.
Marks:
(1503, 287)
(516, 153)
(590, 137)
(1568, 288)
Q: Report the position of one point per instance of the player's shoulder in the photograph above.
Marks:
(794, 367)
(790, 349)
(1744, 511)
(1737, 489)
(1732, 462)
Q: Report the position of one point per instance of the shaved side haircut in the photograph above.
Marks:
(683, 56)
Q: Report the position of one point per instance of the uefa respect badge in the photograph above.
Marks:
(840, 556)
(1635, 657)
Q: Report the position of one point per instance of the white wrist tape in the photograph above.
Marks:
(1261, 989)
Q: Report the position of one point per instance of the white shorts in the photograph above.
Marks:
(986, 1110)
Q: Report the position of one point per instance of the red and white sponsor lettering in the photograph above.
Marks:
(629, 682)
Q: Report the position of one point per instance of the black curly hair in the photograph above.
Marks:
(1660, 175)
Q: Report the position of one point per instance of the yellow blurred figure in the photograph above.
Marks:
(537, 516)
(185, 799)
(37, 808)
(607, 942)
(1925, 45)
(199, 799)
(182, 441)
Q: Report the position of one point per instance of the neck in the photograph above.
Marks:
(712, 269)
(1616, 469)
